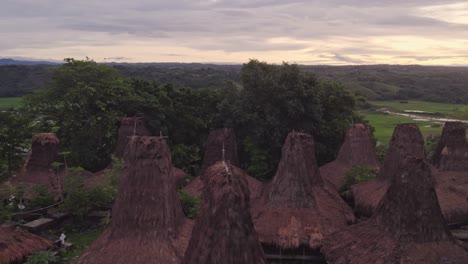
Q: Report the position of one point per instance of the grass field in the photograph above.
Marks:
(9, 102)
(384, 124)
(442, 108)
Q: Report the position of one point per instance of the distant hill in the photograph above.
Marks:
(376, 82)
(26, 62)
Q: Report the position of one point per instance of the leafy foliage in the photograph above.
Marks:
(15, 139)
(381, 151)
(80, 200)
(42, 258)
(84, 101)
(41, 197)
(358, 174)
(190, 204)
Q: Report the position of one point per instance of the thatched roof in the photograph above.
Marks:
(148, 225)
(224, 232)
(357, 149)
(452, 191)
(37, 168)
(451, 153)
(406, 140)
(179, 176)
(129, 126)
(407, 227)
(195, 187)
(16, 244)
(217, 140)
(297, 208)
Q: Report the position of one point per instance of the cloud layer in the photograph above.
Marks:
(309, 32)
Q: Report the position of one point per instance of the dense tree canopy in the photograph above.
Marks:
(86, 99)
(15, 138)
(83, 105)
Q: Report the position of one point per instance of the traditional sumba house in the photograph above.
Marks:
(129, 126)
(135, 126)
(451, 173)
(221, 143)
(406, 140)
(16, 244)
(38, 168)
(148, 225)
(357, 149)
(297, 209)
(451, 153)
(224, 232)
(407, 226)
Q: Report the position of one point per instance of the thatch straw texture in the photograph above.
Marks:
(406, 140)
(16, 244)
(407, 227)
(452, 191)
(451, 153)
(148, 225)
(129, 126)
(179, 176)
(37, 168)
(297, 208)
(217, 139)
(224, 232)
(357, 149)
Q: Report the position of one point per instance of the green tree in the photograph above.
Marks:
(15, 139)
(84, 102)
(276, 99)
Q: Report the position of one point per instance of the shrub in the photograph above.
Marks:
(358, 174)
(42, 197)
(190, 204)
(381, 151)
(42, 258)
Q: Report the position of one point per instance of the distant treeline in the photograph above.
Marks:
(378, 82)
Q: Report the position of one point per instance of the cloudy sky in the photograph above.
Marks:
(429, 32)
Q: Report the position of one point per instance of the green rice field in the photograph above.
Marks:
(9, 102)
(443, 109)
(385, 123)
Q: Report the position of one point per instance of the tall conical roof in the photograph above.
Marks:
(129, 126)
(407, 227)
(406, 141)
(357, 149)
(451, 153)
(297, 207)
(224, 232)
(148, 225)
(38, 168)
(219, 140)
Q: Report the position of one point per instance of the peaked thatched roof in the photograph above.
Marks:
(357, 149)
(129, 126)
(217, 139)
(297, 207)
(452, 191)
(407, 227)
(148, 225)
(37, 168)
(451, 153)
(406, 140)
(224, 232)
(16, 244)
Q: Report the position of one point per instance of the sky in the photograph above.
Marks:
(331, 32)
